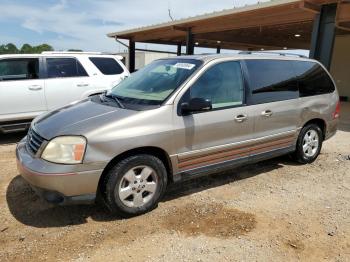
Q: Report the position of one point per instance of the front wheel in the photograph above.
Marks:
(309, 144)
(135, 185)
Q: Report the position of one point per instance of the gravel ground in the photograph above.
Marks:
(275, 210)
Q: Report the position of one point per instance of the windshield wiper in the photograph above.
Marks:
(115, 98)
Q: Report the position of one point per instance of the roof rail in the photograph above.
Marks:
(273, 53)
(80, 53)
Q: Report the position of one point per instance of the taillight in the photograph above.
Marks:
(336, 113)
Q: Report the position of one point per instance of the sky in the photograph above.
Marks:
(83, 24)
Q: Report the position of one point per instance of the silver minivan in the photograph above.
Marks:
(176, 119)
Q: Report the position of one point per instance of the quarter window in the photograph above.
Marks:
(107, 66)
(222, 84)
(312, 79)
(64, 67)
(19, 69)
(271, 80)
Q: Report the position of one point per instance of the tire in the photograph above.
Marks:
(309, 144)
(135, 185)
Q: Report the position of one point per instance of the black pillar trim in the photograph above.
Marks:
(131, 55)
(189, 43)
(323, 35)
(178, 52)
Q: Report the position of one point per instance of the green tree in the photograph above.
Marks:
(12, 48)
(26, 49)
(75, 50)
(8, 49)
(42, 48)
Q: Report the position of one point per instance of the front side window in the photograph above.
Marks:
(222, 84)
(313, 79)
(64, 67)
(271, 80)
(107, 65)
(154, 83)
(19, 69)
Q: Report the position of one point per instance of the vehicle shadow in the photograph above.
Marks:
(11, 138)
(29, 209)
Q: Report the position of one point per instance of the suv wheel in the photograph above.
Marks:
(135, 185)
(309, 144)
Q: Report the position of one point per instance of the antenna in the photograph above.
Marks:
(169, 12)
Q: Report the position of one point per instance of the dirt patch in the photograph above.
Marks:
(212, 220)
(291, 213)
(296, 244)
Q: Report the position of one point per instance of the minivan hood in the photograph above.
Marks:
(77, 119)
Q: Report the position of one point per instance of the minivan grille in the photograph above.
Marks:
(34, 141)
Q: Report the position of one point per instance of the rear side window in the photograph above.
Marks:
(313, 79)
(271, 80)
(107, 66)
(64, 67)
(19, 69)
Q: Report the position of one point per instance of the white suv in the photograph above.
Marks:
(31, 84)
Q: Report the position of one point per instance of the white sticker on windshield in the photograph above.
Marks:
(187, 66)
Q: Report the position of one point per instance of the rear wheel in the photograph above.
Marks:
(309, 144)
(135, 185)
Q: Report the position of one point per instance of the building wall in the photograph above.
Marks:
(143, 58)
(340, 68)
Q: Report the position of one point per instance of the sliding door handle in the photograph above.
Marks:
(241, 118)
(266, 113)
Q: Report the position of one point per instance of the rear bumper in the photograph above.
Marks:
(64, 182)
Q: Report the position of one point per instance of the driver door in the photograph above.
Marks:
(218, 135)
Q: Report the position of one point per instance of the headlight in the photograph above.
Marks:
(65, 150)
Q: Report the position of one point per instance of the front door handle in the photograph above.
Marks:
(82, 84)
(266, 113)
(35, 87)
(241, 118)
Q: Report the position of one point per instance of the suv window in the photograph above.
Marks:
(64, 67)
(222, 84)
(312, 79)
(107, 66)
(271, 80)
(19, 69)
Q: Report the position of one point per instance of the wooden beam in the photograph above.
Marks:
(180, 28)
(343, 16)
(305, 5)
(259, 18)
(343, 13)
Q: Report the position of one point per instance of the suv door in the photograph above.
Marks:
(21, 85)
(221, 134)
(66, 81)
(273, 100)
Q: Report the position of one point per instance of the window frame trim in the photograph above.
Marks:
(45, 68)
(206, 67)
(40, 72)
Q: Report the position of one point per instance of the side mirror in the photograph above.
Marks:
(196, 105)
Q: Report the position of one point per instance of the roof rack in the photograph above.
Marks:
(273, 53)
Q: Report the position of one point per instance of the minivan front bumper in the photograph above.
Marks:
(57, 183)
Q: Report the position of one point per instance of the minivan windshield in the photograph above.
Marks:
(154, 83)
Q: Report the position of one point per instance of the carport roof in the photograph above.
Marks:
(268, 25)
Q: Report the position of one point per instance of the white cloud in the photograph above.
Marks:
(75, 22)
